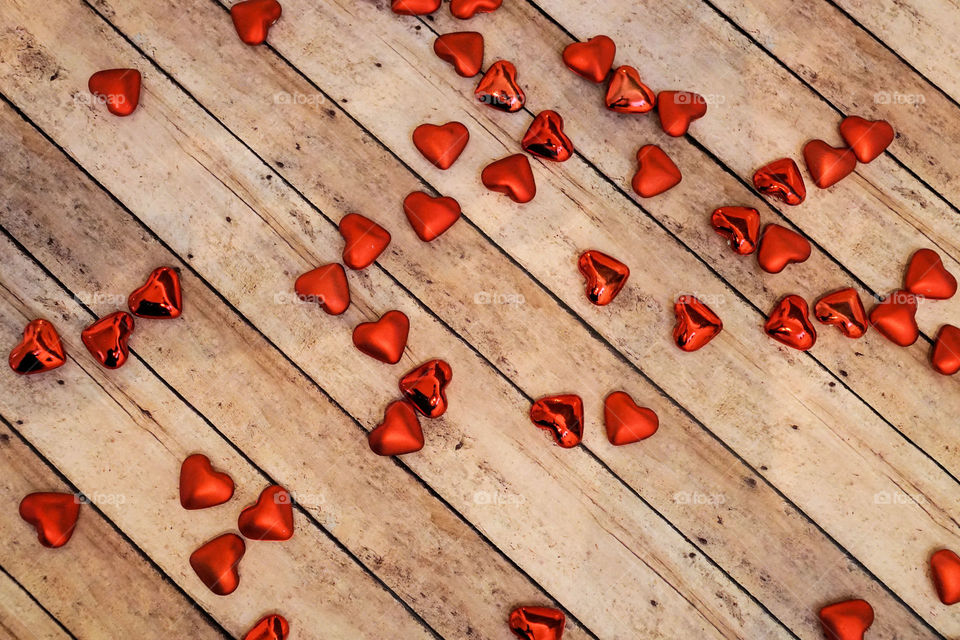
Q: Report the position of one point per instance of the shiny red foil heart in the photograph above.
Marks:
(201, 486)
(217, 562)
(426, 387)
(945, 567)
(498, 88)
(272, 627)
(789, 323)
(605, 276)
(106, 339)
(40, 349)
(118, 88)
(562, 416)
(537, 623)
(160, 297)
(399, 433)
(430, 216)
(591, 59)
(739, 225)
(270, 518)
(466, 9)
(53, 515)
(626, 93)
(896, 318)
(781, 179)
(545, 138)
(844, 310)
(696, 325)
(365, 240)
(847, 620)
(867, 138)
(927, 277)
(828, 165)
(511, 176)
(678, 109)
(442, 144)
(625, 421)
(779, 247)
(414, 7)
(327, 286)
(385, 339)
(463, 50)
(253, 19)
(657, 172)
(945, 355)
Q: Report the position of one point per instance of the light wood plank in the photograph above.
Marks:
(21, 618)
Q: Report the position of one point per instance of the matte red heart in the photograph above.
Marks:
(217, 562)
(678, 109)
(466, 9)
(160, 297)
(781, 179)
(40, 349)
(591, 59)
(545, 138)
(828, 165)
(270, 518)
(53, 515)
(847, 620)
(463, 50)
(779, 247)
(605, 276)
(365, 240)
(201, 486)
(443, 144)
(657, 172)
(327, 286)
(511, 176)
(945, 567)
(385, 339)
(253, 19)
(697, 324)
(118, 88)
(426, 387)
(789, 323)
(844, 310)
(537, 623)
(927, 277)
(625, 421)
(626, 93)
(945, 355)
(399, 433)
(498, 88)
(562, 416)
(739, 225)
(414, 7)
(430, 216)
(272, 627)
(867, 138)
(106, 339)
(896, 318)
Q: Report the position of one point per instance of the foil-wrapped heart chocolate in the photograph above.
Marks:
(537, 623)
(545, 138)
(160, 296)
(106, 339)
(562, 416)
(739, 225)
(499, 89)
(39, 350)
(781, 179)
(426, 387)
(844, 310)
(789, 323)
(626, 93)
(605, 276)
(696, 325)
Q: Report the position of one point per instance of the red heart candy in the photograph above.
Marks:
(779, 247)
(605, 276)
(511, 176)
(562, 416)
(426, 387)
(106, 339)
(657, 172)
(896, 318)
(697, 324)
(441, 145)
(945, 567)
(385, 339)
(591, 59)
(430, 216)
(678, 109)
(739, 225)
(216, 563)
(847, 620)
(40, 349)
(270, 518)
(946, 350)
(625, 421)
(844, 310)
(498, 88)
(159, 297)
(399, 433)
(545, 138)
(327, 286)
(464, 50)
(828, 165)
(53, 515)
(627, 94)
(253, 19)
(415, 7)
(537, 623)
(781, 179)
(867, 138)
(365, 240)
(119, 88)
(789, 323)
(201, 486)
(927, 277)
(466, 9)
(272, 627)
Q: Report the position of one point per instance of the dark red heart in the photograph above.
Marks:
(365, 240)
(466, 9)
(625, 421)
(545, 138)
(945, 567)
(537, 623)
(844, 310)
(591, 59)
(270, 518)
(53, 515)
(789, 323)
(847, 620)
(426, 387)
(739, 225)
(498, 88)
(562, 416)
(201, 486)
(678, 109)
(430, 216)
(828, 165)
(946, 350)
(327, 286)
(443, 144)
(399, 433)
(867, 138)
(40, 349)
(927, 277)
(781, 179)
(253, 19)
(385, 339)
(779, 247)
(272, 627)
(896, 318)
(511, 176)
(697, 324)
(160, 297)
(657, 172)
(217, 562)
(605, 276)
(118, 88)
(626, 93)
(414, 7)
(106, 339)
(464, 50)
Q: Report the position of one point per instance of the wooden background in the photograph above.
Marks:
(778, 482)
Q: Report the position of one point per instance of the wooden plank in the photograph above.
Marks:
(22, 618)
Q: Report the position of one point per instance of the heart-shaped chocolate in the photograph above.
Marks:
(847, 620)
(789, 323)
(605, 276)
(217, 562)
(678, 109)
(426, 387)
(160, 297)
(844, 310)
(498, 88)
(545, 138)
(739, 225)
(327, 286)
(272, 627)
(927, 277)
(779, 247)
(40, 349)
(253, 19)
(626, 93)
(562, 416)
(537, 623)
(365, 240)
(466, 9)
(945, 355)
(385, 339)
(399, 433)
(442, 144)
(201, 486)
(697, 324)
(53, 515)
(867, 138)
(106, 339)
(828, 165)
(270, 518)
(945, 568)
(656, 173)
(896, 318)
(118, 88)
(781, 179)
(430, 216)
(511, 176)
(591, 59)
(414, 7)
(625, 421)
(463, 50)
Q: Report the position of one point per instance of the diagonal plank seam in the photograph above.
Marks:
(34, 599)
